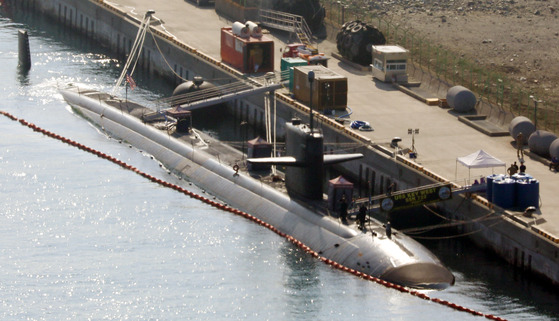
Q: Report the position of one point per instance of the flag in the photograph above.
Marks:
(130, 81)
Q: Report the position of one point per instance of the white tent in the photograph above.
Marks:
(479, 159)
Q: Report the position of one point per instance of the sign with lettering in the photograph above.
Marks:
(417, 197)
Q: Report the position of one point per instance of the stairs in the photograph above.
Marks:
(288, 22)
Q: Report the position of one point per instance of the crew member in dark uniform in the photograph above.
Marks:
(343, 208)
(362, 216)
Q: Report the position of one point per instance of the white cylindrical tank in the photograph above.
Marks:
(461, 99)
(240, 30)
(540, 142)
(254, 29)
(521, 124)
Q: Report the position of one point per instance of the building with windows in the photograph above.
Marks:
(390, 63)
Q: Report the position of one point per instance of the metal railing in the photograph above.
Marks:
(215, 95)
(287, 22)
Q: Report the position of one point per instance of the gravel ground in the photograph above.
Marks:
(519, 38)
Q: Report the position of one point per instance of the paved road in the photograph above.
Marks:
(441, 139)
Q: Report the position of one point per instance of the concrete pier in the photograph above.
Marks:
(189, 38)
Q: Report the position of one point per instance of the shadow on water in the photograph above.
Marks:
(23, 76)
(301, 280)
(479, 269)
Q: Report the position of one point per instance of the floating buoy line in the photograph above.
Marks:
(254, 219)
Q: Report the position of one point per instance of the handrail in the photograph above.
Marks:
(289, 22)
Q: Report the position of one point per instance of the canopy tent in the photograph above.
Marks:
(479, 159)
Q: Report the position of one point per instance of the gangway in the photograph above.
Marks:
(220, 94)
(287, 22)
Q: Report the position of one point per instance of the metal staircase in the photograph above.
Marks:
(288, 22)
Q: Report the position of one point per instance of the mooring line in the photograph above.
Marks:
(256, 220)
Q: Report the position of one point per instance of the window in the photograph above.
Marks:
(394, 65)
(377, 63)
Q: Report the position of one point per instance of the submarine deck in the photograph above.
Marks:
(223, 152)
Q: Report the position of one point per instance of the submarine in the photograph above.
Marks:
(294, 205)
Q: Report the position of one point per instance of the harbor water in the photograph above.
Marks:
(84, 239)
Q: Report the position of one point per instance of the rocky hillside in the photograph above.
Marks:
(519, 38)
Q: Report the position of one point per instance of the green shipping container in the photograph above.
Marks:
(288, 63)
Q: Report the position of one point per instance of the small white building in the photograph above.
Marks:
(390, 63)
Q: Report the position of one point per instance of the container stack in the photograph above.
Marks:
(519, 191)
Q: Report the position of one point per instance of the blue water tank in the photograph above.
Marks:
(522, 176)
(490, 179)
(504, 194)
(527, 193)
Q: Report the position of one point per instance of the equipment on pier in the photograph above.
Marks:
(329, 89)
(461, 99)
(540, 141)
(519, 191)
(355, 39)
(521, 124)
(248, 52)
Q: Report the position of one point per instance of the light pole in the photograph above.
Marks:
(311, 80)
(412, 132)
(536, 101)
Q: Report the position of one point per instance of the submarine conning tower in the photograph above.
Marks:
(304, 160)
(306, 145)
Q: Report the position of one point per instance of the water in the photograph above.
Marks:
(82, 238)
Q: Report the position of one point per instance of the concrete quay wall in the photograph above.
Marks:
(512, 237)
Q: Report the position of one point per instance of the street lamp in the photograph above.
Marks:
(412, 132)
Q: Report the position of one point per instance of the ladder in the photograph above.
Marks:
(287, 22)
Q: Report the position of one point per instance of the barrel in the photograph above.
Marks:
(490, 179)
(504, 193)
(527, 193)
(522, 177)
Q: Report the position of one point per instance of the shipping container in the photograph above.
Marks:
(329, 89)
(246, 53)
(287, 65)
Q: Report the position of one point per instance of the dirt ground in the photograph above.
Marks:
(517, 37)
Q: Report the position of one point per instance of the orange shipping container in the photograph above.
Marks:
(247, 54)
